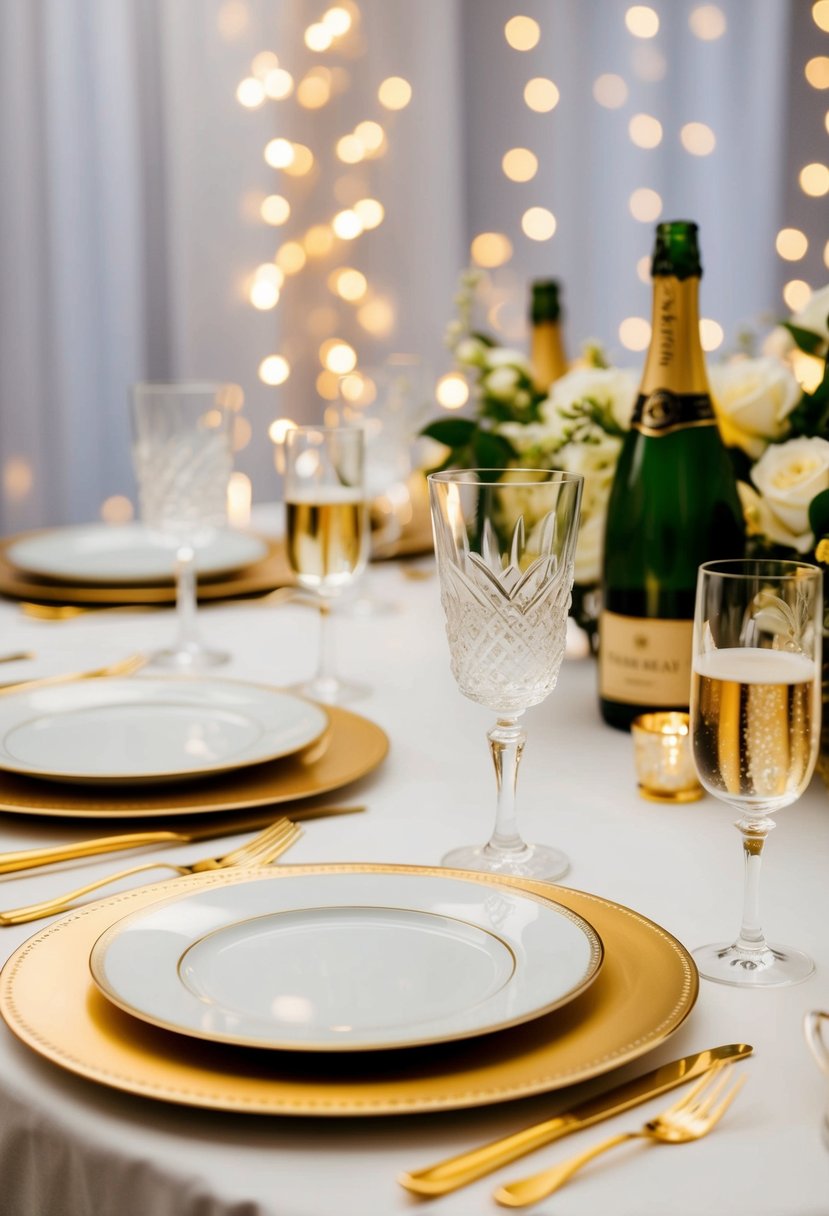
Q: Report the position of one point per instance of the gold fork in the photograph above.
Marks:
(692, 1117)
(260, 851)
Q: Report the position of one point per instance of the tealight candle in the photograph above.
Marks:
(662, 756)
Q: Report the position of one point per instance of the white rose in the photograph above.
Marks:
(504, 356)
(761, 521)
(501, 382)
(788, 476)
(526, 436)
(471, 351)
(612, 387)
(813, 316)
(754, 398)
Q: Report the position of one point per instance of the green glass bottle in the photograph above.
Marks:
(673, 504)
(547, 357)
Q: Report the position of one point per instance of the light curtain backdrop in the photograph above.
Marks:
(130, 223)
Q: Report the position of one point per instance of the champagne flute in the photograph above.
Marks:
(326, 533)
(505, 541)
(183, 457)
(755, 728)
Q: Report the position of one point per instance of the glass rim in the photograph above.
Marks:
(470, 477)
(747, 567)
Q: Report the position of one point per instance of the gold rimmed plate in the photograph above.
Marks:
(351, 748)
(344, 962)
(644, 991)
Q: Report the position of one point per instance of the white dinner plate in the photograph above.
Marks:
(150, 729)
(346, 962)
(125, 553)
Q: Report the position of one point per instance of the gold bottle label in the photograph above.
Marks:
(643, 661)
(662, 412)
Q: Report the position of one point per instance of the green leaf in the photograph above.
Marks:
(806, 339)
(492, 451)
(819, 514)
(454, 432)
(484, 339)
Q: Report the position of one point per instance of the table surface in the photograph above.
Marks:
(73, 1148)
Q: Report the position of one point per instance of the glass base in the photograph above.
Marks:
(772, 967)
(331, 691)
(190, 659)
(533, 861)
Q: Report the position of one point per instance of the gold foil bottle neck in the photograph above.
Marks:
(675, 361)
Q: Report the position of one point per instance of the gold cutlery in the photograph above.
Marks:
(17, 657)
(222, 825)
(68, 612)
(124, 667)
(691, 1118)
(260, 851)
(454, 1172)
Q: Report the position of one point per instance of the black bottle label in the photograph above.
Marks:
(661, 412)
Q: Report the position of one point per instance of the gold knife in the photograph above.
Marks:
(456, 1172)
(224, 825)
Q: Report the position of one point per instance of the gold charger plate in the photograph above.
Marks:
(351, 747)
(270, 572)
(645, 990)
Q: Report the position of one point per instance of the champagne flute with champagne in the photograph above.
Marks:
(326, 532)
(755, 726)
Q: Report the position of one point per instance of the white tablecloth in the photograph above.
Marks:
(72, 1148)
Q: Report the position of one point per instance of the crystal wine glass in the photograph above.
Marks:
(326, 528)
(755, 728)
(505, 541)
(183, 457)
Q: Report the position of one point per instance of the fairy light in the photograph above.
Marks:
(645, 131)
(538, 223)
(347, 225)
(241, 435)
(279, 84)
(337, 20)
(491, 249)
(117, 509)
(635, 333)
(328, 385)
(314, 90)
(279, 428)
(826, 255)
(519, 164)
(250, 93)
(791, 244)
(711, 334)
(698, 138)
(318, 241)
(645, 205)
(814, 180)
(796, 294)
(275, 210)
(274, 370)
(377, 317)
(263, 295)
(350, 150)
(318, 37)
(610, 91)
(522, 33)
(541, 94)
(301, 162)
(370, 134)
(370, 212)
(279, 153)
(707, 22)
(291, 257)
(348, 284)
(338, 356)
(394, 93)
(820, 15)
(452, 391)
(642, 21)
(263, 63)
(817, 72)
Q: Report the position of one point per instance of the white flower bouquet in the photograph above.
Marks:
(776, 429)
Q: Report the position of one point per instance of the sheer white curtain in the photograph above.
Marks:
(129, 215)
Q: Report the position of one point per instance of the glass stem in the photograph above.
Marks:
(754, 833)
(186, 598)
(326, 668)
(506, 742)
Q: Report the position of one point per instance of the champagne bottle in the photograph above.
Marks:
(673, 504)
(547, 356)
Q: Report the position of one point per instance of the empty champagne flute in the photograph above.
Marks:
(505, 542)
(183, 457)
(326, 530)
(755, 728)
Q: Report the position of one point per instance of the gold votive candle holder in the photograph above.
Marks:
(662, 755)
